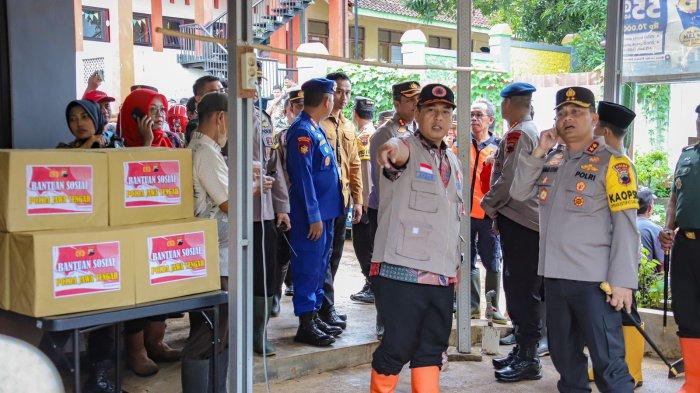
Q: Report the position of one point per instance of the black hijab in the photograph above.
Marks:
(92, 109)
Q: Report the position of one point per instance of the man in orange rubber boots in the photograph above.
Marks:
(417, 247)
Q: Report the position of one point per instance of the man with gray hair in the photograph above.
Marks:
(484, 240)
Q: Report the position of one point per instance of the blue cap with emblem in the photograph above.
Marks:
(319, 84)
(518, 89)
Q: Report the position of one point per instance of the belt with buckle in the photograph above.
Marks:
(690, 234)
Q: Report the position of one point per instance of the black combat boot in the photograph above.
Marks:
(500, 363)
(525, 367)
(332, 318)
(309, 333)
(326, 328)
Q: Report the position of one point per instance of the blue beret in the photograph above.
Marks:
(319, 84)
(518, 89)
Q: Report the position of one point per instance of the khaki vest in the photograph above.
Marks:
(418, 223)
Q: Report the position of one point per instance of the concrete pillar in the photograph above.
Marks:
(278, 39)
(78, 18)
(311, 68)
(336, 27)
(500, 37)
(42, 70)
(156, 21)
(126, 47)
(413, 44)
(202, 12)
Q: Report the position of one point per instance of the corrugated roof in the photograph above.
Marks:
(397, 7)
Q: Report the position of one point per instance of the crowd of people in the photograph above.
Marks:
(313, 167)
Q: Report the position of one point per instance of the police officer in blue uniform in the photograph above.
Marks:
(315, 201)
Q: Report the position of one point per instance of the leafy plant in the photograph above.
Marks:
(650, 293)
(538, 21)
(658, 215)
(653, 172)
(655, 102)
(373, 83)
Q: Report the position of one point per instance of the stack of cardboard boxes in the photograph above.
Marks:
(95, 229)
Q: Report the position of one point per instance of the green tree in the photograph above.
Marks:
(545, 21)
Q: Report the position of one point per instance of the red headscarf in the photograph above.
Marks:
(177, 112)
(141, 98)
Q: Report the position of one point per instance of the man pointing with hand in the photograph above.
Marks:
(587, 193)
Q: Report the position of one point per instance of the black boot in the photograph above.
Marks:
(309, 333)
(332, 318)
(326, 328)
(525, 367)
(500, 363)
(100, 379)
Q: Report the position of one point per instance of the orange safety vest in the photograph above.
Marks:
(480, 174)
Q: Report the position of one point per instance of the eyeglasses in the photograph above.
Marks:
(155, 110)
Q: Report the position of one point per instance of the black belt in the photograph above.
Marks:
(690, 233)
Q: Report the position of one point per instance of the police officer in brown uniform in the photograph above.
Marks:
(417, 247)
(587, 196)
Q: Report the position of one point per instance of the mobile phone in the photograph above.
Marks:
(137, 114)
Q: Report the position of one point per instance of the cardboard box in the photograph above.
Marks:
(177, 258)
(52, 189)
(149, 184)
(69, 271)
(4, 270)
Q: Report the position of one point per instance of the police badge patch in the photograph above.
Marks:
(304, 144)
(623, 173)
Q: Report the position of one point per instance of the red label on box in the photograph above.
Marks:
(86, 268)
(177, 257)
(152, 183)
(60, 189)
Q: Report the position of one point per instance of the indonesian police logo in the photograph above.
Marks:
(623, 173)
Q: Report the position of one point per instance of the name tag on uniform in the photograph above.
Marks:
(425, 172)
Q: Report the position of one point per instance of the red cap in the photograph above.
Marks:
(98, 96)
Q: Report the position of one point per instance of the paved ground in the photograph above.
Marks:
(459, 377)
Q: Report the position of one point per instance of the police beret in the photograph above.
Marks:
(518, 89)
(364, 104)
(406, 89)
(435, 93)
(575, 95)
(295, 94)
(697, 109)
(319, 84)
(615, 114)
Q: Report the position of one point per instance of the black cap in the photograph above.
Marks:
(364, 104)
(436, 93)
(407, 89)
(575, 95)
(296, 94)
(697, 109)
(615, 114)
(645, 196)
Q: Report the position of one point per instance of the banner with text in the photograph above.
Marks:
(60, 189)
(152, 183)
(86, 268)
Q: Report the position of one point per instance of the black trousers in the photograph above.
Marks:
(264, 280)
(198, 344)
(336, 254)
(417, 324)
(685, 284)
(578, 316)
(363, 240)
(521, 284)
(282, 273)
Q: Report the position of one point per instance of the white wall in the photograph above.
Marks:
(684, 98)
(158, 69)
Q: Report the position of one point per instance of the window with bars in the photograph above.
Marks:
(173, 24)
(390, 46)
(142, 29)
(96, 24)
(360, 39)
(440, 42)
(317, 31)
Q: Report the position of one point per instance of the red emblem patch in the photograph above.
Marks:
(439, 91)
(512, 140)
(593, 147)
(623, 173)
(304, 143)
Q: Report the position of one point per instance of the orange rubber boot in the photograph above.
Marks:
(690, 347)
(381, 383)
(425, 379)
